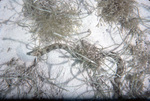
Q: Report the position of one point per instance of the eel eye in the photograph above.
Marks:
(47, 50)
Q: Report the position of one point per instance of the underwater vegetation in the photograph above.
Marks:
(117, 72)
(52, 20)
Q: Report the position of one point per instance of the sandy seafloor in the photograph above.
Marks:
(13, 41)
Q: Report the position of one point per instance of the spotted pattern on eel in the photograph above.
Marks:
(83, 51)
(89, 53)
(47, 49)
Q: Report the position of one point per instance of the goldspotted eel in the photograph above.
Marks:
(84, 53)
(78, 51)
